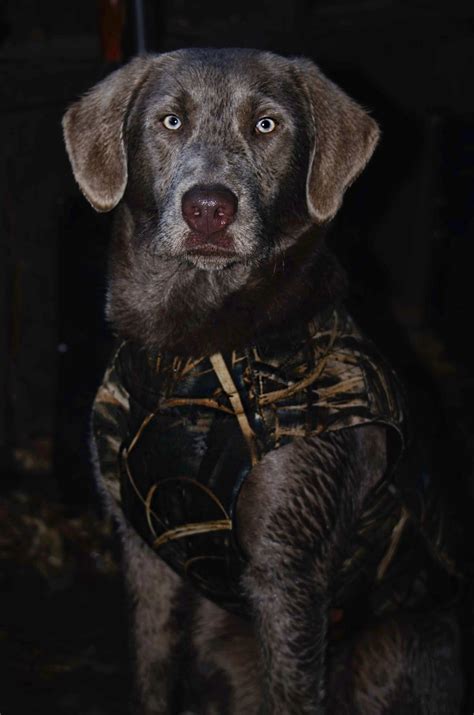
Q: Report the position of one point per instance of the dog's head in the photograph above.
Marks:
(220, 156)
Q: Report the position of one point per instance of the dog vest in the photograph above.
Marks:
(177, 437)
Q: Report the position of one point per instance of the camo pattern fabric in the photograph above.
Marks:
(177, 436)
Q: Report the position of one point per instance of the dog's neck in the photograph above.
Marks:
(187, 310)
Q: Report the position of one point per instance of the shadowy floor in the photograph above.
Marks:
(63, 618)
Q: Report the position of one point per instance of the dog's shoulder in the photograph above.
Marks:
(331, 378)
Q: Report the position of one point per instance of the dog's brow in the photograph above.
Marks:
(169, 99)
(269, 103)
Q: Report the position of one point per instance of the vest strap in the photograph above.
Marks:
(229, 387)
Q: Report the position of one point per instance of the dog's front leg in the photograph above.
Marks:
(291, 617)
(157, 622)
(155, 591)
(295, 514)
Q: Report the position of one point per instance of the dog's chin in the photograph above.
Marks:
(212, 260)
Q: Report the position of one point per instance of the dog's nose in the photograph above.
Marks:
(209, 209)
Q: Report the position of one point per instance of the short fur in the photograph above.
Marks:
(299, 506)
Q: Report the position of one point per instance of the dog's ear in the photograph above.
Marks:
(343, 138)
(93, 132)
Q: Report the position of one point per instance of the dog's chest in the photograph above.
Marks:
(195, 427)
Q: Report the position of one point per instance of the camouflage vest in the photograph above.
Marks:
(177, 437)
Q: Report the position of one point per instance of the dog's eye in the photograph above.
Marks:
(265, 125)
(171, 121)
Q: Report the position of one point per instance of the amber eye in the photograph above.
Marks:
(265, 125)
(171, 121)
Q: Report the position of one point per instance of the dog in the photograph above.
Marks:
(247, 436)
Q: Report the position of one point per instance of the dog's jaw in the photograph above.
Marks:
(191, 305)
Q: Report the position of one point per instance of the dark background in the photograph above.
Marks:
(404, 235)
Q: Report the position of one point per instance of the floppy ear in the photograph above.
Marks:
(93, 132)
(343, 138)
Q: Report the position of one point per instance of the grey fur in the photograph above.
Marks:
(299, 506)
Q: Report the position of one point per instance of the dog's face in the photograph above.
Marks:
(214, 172)
(222, 157)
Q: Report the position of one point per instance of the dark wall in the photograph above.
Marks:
(41, 71)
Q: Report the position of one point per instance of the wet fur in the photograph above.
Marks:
(298, 508)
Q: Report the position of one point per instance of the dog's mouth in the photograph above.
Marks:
(209, 249)
(216, 245)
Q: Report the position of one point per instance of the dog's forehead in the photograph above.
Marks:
(214, 76)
